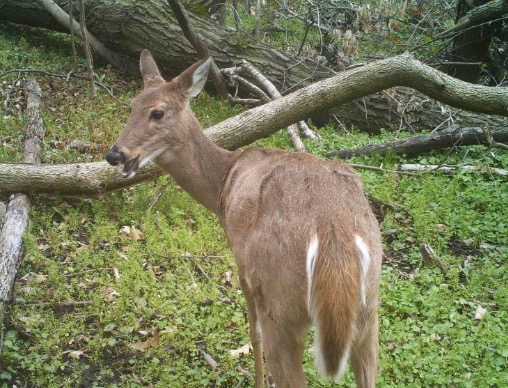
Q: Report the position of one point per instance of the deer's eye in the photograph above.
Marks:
(157, 114)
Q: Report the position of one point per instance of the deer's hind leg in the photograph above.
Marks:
(254, 331)
(364, 353)
(284, 344)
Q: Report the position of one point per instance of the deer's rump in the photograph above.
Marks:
(286, 211)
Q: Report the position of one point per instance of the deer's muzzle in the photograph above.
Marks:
(114, 156)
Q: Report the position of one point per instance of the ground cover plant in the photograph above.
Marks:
(114, 292)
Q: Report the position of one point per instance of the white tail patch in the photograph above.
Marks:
(364, 261)
(319, 360)
(312, 252)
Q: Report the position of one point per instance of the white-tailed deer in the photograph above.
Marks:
(306, 243)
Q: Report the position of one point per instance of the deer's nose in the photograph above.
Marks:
(114, 156)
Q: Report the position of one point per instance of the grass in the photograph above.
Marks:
(158, 288)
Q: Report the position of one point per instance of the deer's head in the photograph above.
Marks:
(160, 116)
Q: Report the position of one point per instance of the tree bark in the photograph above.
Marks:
(75, 28)
(182, 16)
(447, 169)
(423, 143)
(471, 45)
(97, 178)
(129, 27)
(490, 11)
(16, 217)
(402, 107)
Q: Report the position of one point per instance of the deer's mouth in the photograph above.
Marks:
(130, 167)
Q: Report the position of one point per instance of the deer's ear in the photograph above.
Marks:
(149, 70)
(194, 78)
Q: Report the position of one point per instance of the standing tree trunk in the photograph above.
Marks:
(471, 45)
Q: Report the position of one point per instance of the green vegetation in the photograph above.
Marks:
(112, 293)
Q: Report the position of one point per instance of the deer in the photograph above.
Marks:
(304, 238)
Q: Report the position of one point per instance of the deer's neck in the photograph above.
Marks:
(198, 166)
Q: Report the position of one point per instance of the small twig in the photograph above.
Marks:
(65, 303)
(251, 88)
(307, 132)
(87, 271)
(244, 372)
(83, 146)
(244, 101)
(209, 359)
(447, 169)
(195, 40)
(187, 256)
(86, 45)
(490, 139)
(364, 167)
(73, 43)
(59, 76)
(273, 92)
(159, 193)
(389, 232)
(8, 95)
(430, 257)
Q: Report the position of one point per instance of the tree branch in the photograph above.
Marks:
(97, 178)
(63, 18)
(486, 13)
(423, 143)
(16, 218)
(188, 30)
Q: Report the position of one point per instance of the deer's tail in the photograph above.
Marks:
(336, 272)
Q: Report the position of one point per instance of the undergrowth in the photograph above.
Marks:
(112, 293)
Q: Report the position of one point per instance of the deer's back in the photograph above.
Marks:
(289, 195)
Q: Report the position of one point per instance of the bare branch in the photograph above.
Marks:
(486, 13)
(188, 30)
(86, 45)
(423, 143)
(98, 178)
(63, 18)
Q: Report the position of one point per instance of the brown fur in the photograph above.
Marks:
(271, 204)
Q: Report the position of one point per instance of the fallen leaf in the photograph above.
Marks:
(43, 247)
(227, 277)
(480, 312)
(76, 354)
(41, 278)
(245, 349)
(109, 294)
(142, 345)
(125, 230)
(169, 330)
(136, 234)
(132, 232)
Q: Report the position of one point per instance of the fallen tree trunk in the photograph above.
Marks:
(489, 12)
(63, 18)
(266, 119)
(423, 143)
(129, 27)
(447, 169)
(16, 217)
(400, 107)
